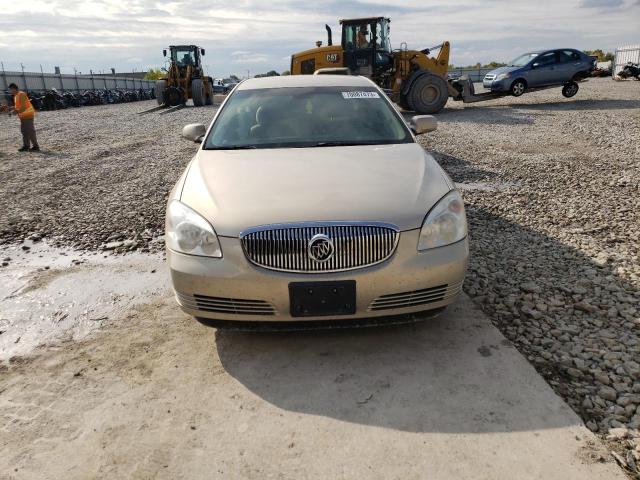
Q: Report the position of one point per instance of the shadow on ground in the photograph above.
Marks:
(455, 373)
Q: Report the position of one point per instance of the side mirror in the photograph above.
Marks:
(194, 132)
(164, 53)
(202, 51)
(423, 124)
(535, 65)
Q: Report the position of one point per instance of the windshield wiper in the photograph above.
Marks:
(343, 143)
(233, 147)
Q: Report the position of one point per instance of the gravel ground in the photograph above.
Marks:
(102, 177)
(552, 187)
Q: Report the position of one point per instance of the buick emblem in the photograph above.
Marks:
(320, 248)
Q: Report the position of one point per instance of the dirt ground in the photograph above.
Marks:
(156, 395)
(109, 380)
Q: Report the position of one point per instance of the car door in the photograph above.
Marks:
(544, 70)
(571, 63)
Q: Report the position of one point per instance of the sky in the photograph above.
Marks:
(255, 36)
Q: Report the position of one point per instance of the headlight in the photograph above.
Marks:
(502, 76)
(446, 223)
(188, 232)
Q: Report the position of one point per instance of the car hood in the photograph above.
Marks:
(500, 70)
(238, 189)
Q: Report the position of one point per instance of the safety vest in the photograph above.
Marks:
(23, 106)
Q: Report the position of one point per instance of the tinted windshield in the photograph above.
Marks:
(184, 57)
(522, 60)
(306, 117)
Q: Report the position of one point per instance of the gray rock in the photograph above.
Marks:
(608, 393)
(531, 287)
(602, 378)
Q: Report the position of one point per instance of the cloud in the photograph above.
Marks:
(602, 3)
(260, 35)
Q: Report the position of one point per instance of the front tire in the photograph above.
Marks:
(428, 94)
(197, 92)
(173, 96)
(161, 86)
(518, 88)
(570, 89)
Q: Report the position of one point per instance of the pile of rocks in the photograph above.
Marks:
(553, 194)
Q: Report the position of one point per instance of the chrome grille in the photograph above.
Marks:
(285, 247)
(226, 305)
(415, 298)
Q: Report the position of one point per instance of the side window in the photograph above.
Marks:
(350, 37)
(307, 67)
(569, 56)
(546, 59)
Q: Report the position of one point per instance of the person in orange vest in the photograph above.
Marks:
(26, 113)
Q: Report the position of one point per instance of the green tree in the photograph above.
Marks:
(602, 56)
(494, 64)
(285, 73)
(270, 73)
(154, 74)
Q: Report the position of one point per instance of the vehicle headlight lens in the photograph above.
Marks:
(187, 232)
(446, 223)
(502, 76)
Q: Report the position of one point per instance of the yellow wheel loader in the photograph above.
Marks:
(412, 78)
(185, 78)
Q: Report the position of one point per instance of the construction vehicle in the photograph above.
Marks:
(185, 80)
(412, 78)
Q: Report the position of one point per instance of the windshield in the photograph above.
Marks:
(184, 57)
(522, 60)
(306, 117)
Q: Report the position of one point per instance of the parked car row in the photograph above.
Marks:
(55, 100)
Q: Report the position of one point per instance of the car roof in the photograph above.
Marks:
(292, 81)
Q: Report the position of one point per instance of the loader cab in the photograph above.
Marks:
(366, 46)
(186, 56)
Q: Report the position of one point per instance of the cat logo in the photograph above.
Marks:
(333, 57)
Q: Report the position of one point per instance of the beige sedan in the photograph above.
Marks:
(310, 201)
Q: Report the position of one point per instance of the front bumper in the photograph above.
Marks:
(232, 288)
(497, 85)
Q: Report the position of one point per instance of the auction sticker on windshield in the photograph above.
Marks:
(360, 95)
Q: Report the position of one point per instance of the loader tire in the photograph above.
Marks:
(428, 94)
(173, 96)
(197, 92)
(161, 86)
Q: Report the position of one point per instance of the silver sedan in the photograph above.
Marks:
(310, 200)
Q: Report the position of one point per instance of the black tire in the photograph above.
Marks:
(197, 92)
(518, 87)
(173, 96)
(428, 94)
(570, 89)
(161, 86)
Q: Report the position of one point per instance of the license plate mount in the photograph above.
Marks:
(319, 299)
